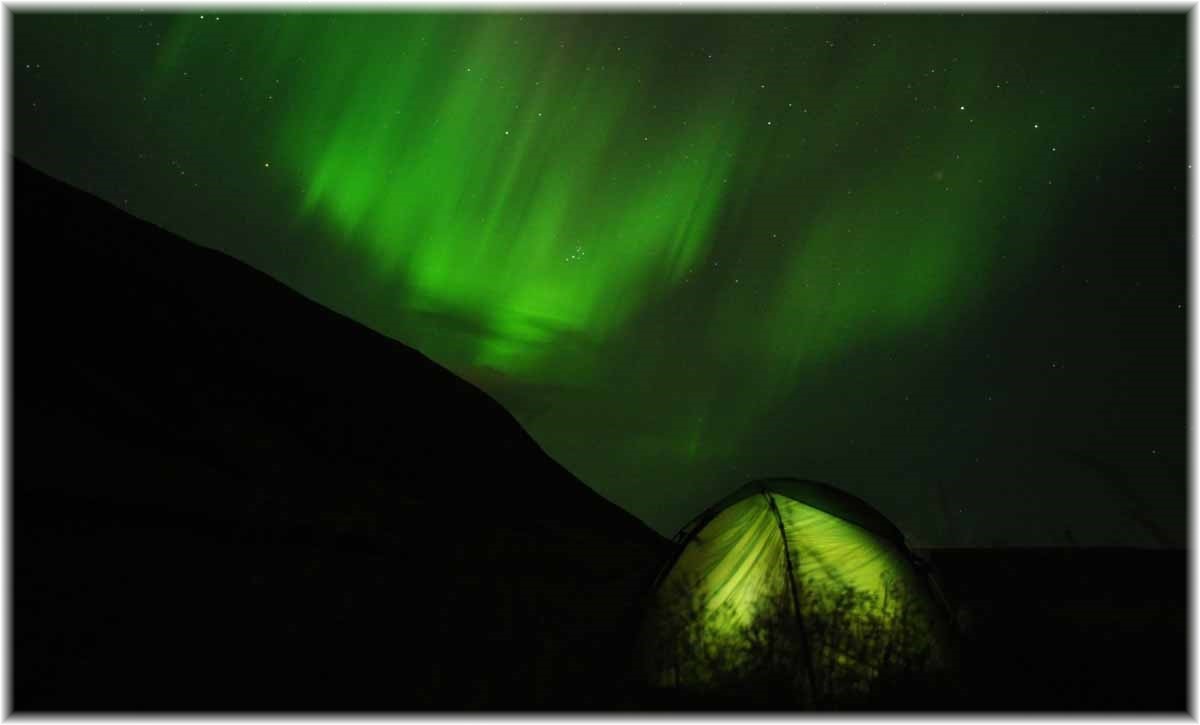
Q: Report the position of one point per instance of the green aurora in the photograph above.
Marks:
(684, 250)
(491, 171)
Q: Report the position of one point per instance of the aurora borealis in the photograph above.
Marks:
(918, 256)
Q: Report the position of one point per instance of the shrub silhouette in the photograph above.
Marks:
(844, 648)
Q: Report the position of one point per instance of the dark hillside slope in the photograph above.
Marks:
(226, 496)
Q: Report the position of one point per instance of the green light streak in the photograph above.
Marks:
(503, 182)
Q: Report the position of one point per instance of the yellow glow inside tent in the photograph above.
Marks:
(738, 560)
(803, 580)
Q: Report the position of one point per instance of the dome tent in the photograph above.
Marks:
(793, 580)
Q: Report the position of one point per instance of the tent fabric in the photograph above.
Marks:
(780, 538)
(738, 557)
(821, 496)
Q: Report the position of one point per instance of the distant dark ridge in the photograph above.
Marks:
(181, 335)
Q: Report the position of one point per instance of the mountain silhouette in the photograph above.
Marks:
(228, 497)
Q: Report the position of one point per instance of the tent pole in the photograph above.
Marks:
(792, 588)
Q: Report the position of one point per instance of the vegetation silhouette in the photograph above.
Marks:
(845, 649)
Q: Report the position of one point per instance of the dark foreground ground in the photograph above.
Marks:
(227, 498)
(1071, 629)
(1044, 630)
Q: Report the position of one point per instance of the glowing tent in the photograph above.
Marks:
(794, 580)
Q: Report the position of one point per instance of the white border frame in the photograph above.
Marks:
(910, 6)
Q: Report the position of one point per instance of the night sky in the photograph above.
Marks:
(938, 261)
